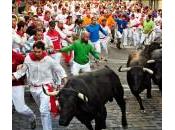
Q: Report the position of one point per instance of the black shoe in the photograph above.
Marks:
(118, 46)
(112, 40)
(33, 124)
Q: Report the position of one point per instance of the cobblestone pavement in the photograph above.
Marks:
(150, 120)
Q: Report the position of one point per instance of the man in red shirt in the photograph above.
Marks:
(56, 39)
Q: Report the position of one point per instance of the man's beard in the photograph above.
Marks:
(85, 41)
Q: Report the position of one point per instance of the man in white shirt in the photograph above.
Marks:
(103, 38)
(134, 30)
(62, 16)
(16, 40)
(39, 69)
(38, 36)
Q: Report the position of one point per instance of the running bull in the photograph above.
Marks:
(85, 96)
(138, 75)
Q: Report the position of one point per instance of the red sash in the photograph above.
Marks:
(54, 108)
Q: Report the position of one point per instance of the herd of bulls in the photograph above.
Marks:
(85, 96)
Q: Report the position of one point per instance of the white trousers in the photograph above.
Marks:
(19, 102)
(136, 37)
(104, 43)
(42, 100)
(118, 34)
(125, 37)
(77, 67)
(147, 38)
(97, 46)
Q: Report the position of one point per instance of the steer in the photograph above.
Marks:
(85, 96)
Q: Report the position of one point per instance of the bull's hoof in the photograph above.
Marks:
(142, 111)
(103, 127)
(125, 126)
(33, 124)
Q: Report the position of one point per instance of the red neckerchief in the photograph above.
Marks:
(32, 56)
(40, 14)
(21, 34)
(36, 39)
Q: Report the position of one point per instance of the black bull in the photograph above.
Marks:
(85, 97)
(155, 63)
(139, 72)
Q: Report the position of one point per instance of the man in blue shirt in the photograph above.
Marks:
(93, 30)
(122, 24)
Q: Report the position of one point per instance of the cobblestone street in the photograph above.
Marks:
(150, 120)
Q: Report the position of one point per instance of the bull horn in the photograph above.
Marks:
(124, 69)
(148, 70)
(83, 97)
(150, 61)
(54, 93)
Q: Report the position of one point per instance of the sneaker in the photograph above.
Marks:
(33, 124)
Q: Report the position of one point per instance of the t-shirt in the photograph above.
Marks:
(148, 26)
(81, 51)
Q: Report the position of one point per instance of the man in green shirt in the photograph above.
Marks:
(81, 49)
(148, 26)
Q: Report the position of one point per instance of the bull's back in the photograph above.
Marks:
(104, 82)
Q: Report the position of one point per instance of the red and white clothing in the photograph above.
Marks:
(134, 30)
(18, 89)
(23, 38)
(37, 76)
(56, 39)
(62, 17)
(46, 21)
(16, 41)
(64, 34)
(46, 39)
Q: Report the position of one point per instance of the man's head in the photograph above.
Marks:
(104, 22)
(39, 10)
(60, 24)
(148, 18)
(47, 14)
(94, 20)
(21, 26)
(85, 36)
(63, 10)
(69, 20)
(35, 19)
(80, 23)
(51, 25)
(38, 49)
(39, 34)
